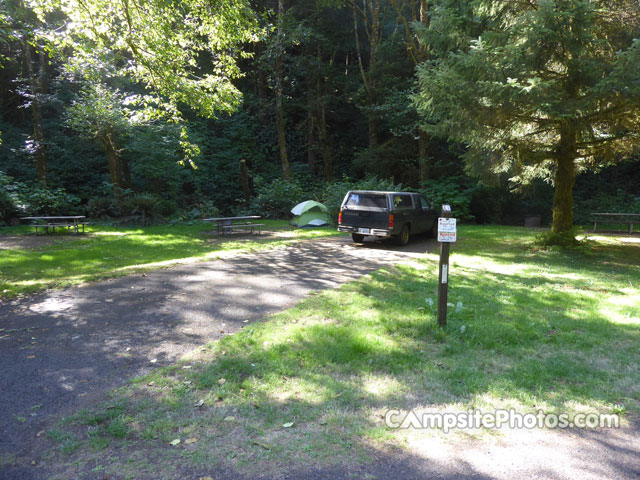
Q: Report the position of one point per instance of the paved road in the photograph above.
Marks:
(60, 350)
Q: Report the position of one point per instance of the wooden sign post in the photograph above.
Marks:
(446, 235)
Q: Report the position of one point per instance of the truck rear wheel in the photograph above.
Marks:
(357, 237)
(433, 232)
(403, 238)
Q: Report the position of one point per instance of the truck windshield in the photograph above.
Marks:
(367, 200)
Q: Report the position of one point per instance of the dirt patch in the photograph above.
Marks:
(213, 237)
(26, 242)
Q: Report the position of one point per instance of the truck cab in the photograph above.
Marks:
(396, 215)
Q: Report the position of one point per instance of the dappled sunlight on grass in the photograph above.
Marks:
(112, 251)
(551, 330)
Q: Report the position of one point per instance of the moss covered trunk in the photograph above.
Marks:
(564, 180)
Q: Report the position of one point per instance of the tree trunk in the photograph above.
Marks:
(282, 142)
(565, 178)
(373, 31)
(324, 143)
(126, 173)
(311, 127)
(423, 156)
(244, 179)
(374, 41)
(115, 167)
(36, 92)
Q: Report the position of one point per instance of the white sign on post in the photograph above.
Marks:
(446, 229)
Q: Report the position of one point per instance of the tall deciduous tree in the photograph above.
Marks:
(24, 26)
(279, 79)
(369, 13)
(550, 88)
(410, 12)
(185, 50)
(110, 115)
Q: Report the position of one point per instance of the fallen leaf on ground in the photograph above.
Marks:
(266, 446)
(230, 418)
(199, 403)
(288, 424)
(175, 442)
(40, 433)
(31, 356)
(190, 440)
(222, 381)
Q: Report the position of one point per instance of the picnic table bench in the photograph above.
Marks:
(226, 225)
(628, 218)
(66, 221)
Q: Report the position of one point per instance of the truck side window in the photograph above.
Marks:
(402, 201)
(424, 204)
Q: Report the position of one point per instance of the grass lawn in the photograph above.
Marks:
(557, 330)
(112, 251)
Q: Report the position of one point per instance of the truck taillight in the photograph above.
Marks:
(340, 217)
(390, 221)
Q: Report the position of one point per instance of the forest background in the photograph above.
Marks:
(156, 111)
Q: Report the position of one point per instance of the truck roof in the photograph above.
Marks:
(379, 192)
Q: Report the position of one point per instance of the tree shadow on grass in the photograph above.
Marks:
(321, 365)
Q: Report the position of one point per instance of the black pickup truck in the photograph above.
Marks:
(386, 215)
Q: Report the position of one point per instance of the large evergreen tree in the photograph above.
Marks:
(551, 87)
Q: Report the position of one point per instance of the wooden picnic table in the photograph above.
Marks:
(51, 222)
(226, 225)
(629, 218)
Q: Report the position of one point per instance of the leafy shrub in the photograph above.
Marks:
(34, 199)
(40, 201)
(8, 207)
(204, 209)
(100, 207)
(142, 209)
(454, 191)
(618, 202)
(9, 201)
(276, 199)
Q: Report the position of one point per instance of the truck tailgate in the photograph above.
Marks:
(365, 218)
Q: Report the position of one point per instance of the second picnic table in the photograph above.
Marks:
(67, 221)
(628, 218)
(226, 225)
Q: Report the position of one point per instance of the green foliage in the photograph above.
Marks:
(9, 200)
(277, 198)
(8, 207)
(142, 209)
(539, 88)
(198, 211)
(101, 207)
(38, 200)
(457, 192)
(159, 44)
(619, 201)
(34, 199)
